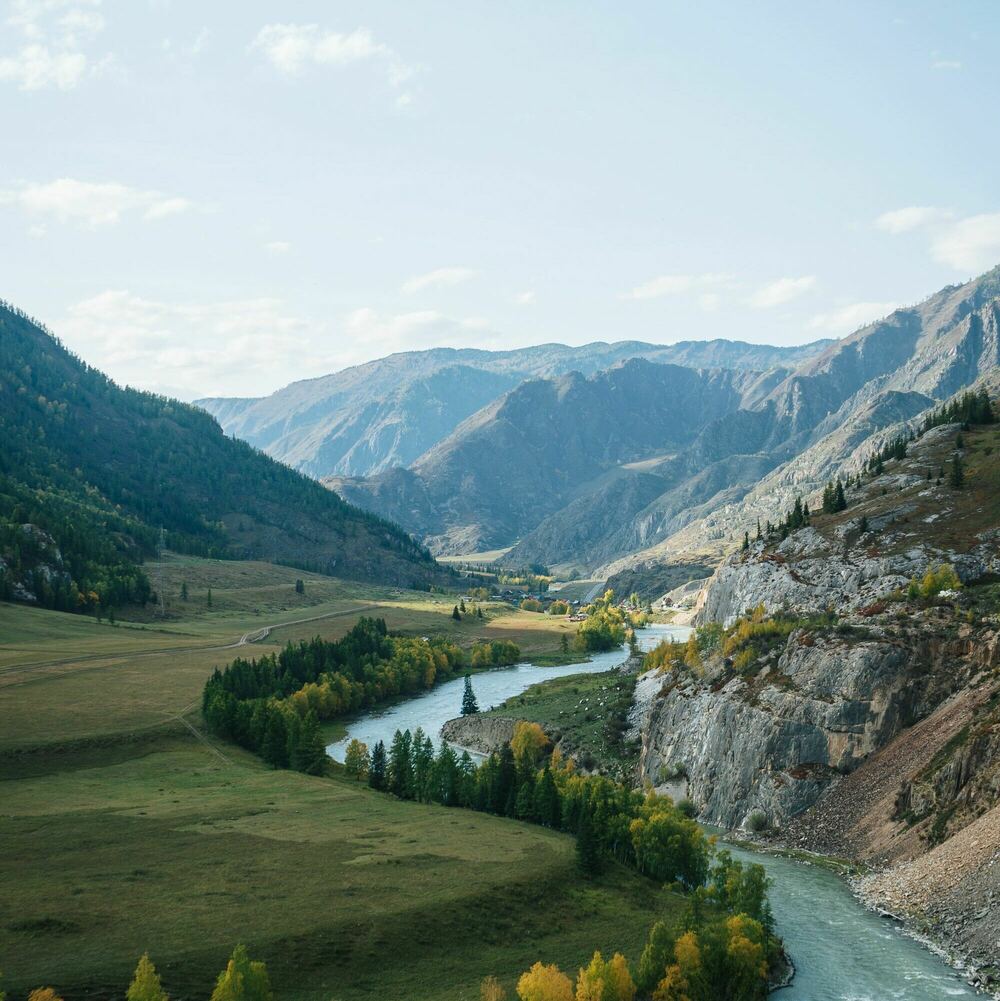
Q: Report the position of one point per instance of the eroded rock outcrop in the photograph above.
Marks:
(479, 732)
(772, 743)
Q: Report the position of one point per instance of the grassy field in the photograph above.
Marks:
(67, 678)
(587, 712)
(126, 829)
(346, 893)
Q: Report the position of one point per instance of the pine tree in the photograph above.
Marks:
(208, 600)
(956, 474)
(548, 808)
(461, 605)
(840, 501)
(401, 764)
(469, 704)
(310, 751)
(746, 541)
(300, 586)
(145, 984)
(759, 536)
(184, 591)
(456, 614)
(275, 747)
(376, 772)
(479, 611)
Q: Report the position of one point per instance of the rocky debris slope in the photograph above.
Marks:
(952, 894)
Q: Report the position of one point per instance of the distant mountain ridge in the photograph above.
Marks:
(91, 474)
(709, 471)
(371, 417)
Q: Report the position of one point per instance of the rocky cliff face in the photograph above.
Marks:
(770, 745)
(869, 728)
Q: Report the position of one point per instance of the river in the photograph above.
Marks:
(841, 951)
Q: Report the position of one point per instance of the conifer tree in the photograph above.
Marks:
(956, 474)
(746, 541)
(376, 773)
(401, 764)
(274, 750)
(184, 591)
(145, 984)
(456, 614)
(840, 501)
(461, 605)
(469, 704)
(208, 600)
(310, 751)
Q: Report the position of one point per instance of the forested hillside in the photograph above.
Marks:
(90, 473)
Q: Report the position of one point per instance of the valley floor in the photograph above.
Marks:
(127, 829)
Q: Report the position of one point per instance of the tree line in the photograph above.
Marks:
(723, 946)
(273, 705)
(521, 780)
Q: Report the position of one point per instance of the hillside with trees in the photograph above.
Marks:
(90, 473)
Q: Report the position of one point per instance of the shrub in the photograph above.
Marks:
(757, 822)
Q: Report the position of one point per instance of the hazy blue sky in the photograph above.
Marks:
(219, 198)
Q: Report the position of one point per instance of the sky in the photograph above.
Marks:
(219, 199)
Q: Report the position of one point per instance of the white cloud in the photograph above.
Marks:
(191, 350)
(783, 290)
(664, 285)
(969, 245)
(440, 278)
(293, 48)
(846, 319)
(945, 64)
(526, 298)
(377, 334)
(91, 204)
(55, 36)
(277, 247)
(245, 346)
(912, 217)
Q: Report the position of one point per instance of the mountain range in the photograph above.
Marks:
(648, 461)
(94, 477)
(388, 412)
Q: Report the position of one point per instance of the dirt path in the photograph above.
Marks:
(20, 673)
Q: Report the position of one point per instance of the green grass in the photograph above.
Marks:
(65, 678)
(125, 829)
(346, 893)
(581, 710)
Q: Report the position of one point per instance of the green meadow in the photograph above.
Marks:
(126, 828)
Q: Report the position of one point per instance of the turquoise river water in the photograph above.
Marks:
(841, 951)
